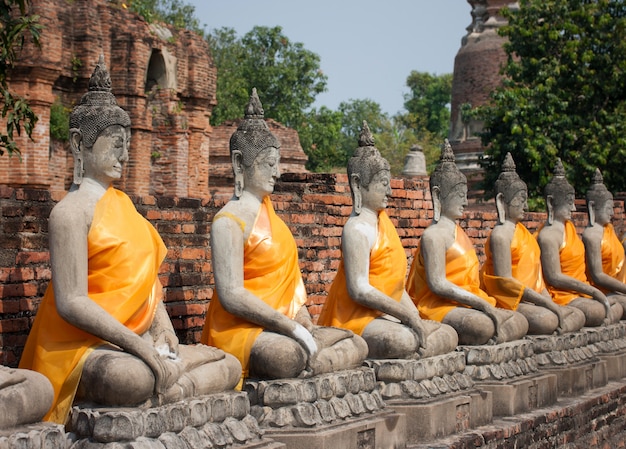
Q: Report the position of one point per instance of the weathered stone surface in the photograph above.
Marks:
(35, 436)
(316, 401)
(218, 420)
(500, 362)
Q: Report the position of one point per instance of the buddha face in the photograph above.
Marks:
(374, 196)
(517, 207)
(604, 212)
(564, 207)
(259, 179)
(453, 205)
(104, 161)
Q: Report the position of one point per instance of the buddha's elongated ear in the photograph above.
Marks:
(76, 138)
(436, 194)
(236, 159)
(591, 211)
(355, 189)
(550, 207)
(501, 208)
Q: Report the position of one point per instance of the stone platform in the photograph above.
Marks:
(593, 420)
(342, 409)
(436, 395)
(35, 436)
(218, 420)
(609, 344)
(585, 359)
(510, 372)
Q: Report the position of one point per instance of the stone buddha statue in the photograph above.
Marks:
(512, 270)
(368, 296)
(102, 334)
(444, 277)
(604, 252)
(25, 396)
(258, 311)
(563, 257)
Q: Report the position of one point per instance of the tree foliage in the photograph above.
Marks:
(563, 94)
(16, 25)
(286, 75)
(178, 13)
(427, 103)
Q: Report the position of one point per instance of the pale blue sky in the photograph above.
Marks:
(367, 47)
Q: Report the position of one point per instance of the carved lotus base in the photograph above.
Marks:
(217, 420)
(35, 436)
(341, 409)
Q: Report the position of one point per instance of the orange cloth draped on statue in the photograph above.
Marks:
(461, 269)
(572, 257)
(271, 272)
(525, 270)
(124, 255)
(387, 272)
(612, 256)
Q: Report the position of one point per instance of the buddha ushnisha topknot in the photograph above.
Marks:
(252, 135)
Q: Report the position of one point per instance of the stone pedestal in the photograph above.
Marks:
(435, 394)
(218, 420)
(609, 344)
(509, 371)
(35, 436)
(572, 359)
(342, 409)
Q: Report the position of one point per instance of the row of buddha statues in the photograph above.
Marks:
(103, 336)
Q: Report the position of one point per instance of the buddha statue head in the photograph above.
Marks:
(97, 111)
(599, 201)
(559, 195)
(251, 138)
(365, 167)
(446, 180)
(511, 192)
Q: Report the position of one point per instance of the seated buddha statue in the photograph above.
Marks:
(512, 269)
(444, 277)
(563, 257)
(258, 310)
(102, 334)
(25, 396)
(368, 294)
(604, 252)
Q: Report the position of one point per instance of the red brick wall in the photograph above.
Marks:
(315, 206)
(73, 36)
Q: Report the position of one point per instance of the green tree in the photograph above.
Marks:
(427, 103)
(320, 136)
(353, 113)
(563, 94)
(286, 75)
(16, 24)
(178, 13)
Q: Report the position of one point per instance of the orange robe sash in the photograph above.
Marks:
(387, 273)
(572, 257)
(525, 270)
(271, 272)
(124, 255)
(612, 255)
(461, 269)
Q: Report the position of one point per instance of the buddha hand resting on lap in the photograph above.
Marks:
(258, 311)
(368, 294)
(444, 278)
(102, 334)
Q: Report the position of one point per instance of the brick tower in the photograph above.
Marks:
(476, 74)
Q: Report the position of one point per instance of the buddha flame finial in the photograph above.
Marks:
(365, 137)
